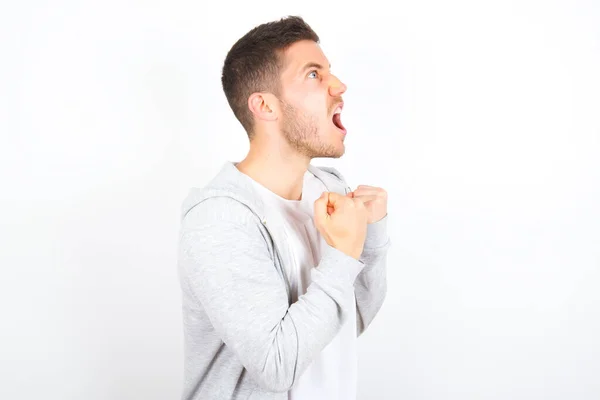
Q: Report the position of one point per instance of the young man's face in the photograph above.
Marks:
(310, 96)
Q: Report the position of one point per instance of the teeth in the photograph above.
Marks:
(338, 110)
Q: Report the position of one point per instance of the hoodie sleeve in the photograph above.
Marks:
(225, 260)
(370, 286)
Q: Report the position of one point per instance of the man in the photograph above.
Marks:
(282, 266)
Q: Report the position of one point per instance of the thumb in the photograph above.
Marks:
(335, 199)
(320, 209)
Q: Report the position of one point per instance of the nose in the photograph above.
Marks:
(336, 87)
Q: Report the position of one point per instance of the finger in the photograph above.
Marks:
(358, 202)
(363, 191)
(367, 187)
(366, 198)
(320, 208)
(335, 199)
(374, 191)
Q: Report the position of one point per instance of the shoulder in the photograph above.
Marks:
(219, 209)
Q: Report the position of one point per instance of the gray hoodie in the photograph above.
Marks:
(244, 338)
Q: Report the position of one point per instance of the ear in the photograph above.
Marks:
(263, 106)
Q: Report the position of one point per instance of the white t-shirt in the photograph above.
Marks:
(333, 373)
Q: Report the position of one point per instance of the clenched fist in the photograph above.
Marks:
(375, 201)
(342, 221)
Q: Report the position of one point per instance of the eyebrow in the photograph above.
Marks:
(311, 64)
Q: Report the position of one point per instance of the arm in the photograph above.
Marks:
(224, 258)
(370, 286)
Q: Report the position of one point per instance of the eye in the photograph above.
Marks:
(313, 72)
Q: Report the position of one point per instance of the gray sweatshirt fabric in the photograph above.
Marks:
(243, 336)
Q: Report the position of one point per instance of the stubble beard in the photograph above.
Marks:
(302, 133)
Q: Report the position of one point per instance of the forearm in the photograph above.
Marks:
(370, 286)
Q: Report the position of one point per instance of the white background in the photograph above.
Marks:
(480, 118)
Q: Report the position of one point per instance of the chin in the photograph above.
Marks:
(339, 151)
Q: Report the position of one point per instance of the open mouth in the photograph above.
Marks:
(337, 119)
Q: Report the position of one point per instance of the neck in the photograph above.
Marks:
(278, 168)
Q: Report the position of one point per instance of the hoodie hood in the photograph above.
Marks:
(231, 182)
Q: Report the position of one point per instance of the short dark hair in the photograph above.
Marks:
(254, 63)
